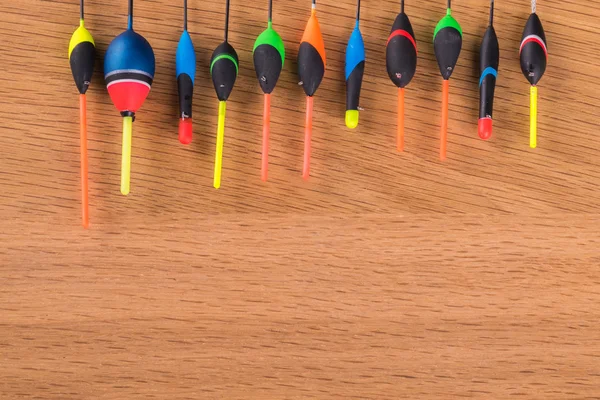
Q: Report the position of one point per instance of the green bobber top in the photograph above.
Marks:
(269, 55)
(447, 43)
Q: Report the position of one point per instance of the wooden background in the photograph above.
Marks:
(385, 276)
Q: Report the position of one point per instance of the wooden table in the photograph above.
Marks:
(388, 275)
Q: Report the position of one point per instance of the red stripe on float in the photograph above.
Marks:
(402, 32)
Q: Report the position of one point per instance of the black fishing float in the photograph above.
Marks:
(447, 43)
(354, 70)
(311, 69)
(269, 56)
(401, 63)
(489, 57)
(534, 56)
(224, 65)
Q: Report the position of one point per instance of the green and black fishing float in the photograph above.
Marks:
(401, 63)
(311, 69)
(185, 73)
(355, 68)
(224, 65)
(447, 43)
(533, 53)
(489, 58)
(269, 56)
(82, 54)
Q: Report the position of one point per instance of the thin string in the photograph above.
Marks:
(130, 15)
(402, 7)
(449, 4)
(492, 13)
(358, 11)
(226, 20)
(270, 10)
(533, 6)
(185, 15)
(81, 10)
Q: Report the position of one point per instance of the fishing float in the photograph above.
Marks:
(269, 55)
(223, 70)
(489, 58)
(185, 73)
(128, 72)
(447, 43)
(82, 54)
(354, 70)
(401, 63)
(533, 54)
(311, 69)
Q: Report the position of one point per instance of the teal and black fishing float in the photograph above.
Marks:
(311, 69)
(129, 67)
(223, 70)
(185, 72)
(534, 56)
(82, 53)
(355, 68)
(447, 43)
(401, 63)
(269, 56)
(489, 58)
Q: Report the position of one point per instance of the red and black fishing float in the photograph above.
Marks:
(533, 54)
(401, 63)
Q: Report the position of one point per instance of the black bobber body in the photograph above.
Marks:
(401, 64)
(489, 58)
(533, 50)
(533, 54)
(401, 52)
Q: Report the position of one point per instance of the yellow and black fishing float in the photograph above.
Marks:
(533, 53)
(223, 70)
(82, 54)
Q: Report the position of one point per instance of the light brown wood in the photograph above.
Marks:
(385, 276)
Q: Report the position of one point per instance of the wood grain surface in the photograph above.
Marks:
(385, 276)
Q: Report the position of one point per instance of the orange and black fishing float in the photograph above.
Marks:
(447, 43)
(311, 69)
(489, 58)
(269, 56)
(401, 63)
(82, 53)
(534, 56)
